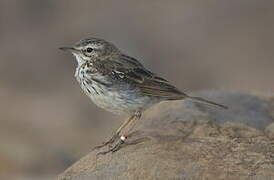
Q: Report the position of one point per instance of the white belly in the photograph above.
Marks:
(120, 102)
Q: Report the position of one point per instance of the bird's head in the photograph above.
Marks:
(92, 49)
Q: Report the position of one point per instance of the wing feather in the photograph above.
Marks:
(149, 83)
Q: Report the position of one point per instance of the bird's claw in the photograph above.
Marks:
(112, 149)
(109, 142)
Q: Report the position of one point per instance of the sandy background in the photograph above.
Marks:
(47, 123)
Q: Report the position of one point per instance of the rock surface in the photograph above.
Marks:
(186, 140)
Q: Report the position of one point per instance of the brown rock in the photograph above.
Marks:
(270, 131)
(185, 140)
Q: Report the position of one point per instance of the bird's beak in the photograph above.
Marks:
(70, 49)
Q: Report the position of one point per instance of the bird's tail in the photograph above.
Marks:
(199, 99)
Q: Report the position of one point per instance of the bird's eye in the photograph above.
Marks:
(89, 50)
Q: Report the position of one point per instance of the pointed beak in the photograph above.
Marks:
(69, 49)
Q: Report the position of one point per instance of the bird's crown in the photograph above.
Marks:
(92, 49)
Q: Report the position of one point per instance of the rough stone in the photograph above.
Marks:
(186, 140)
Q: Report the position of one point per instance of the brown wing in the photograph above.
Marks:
(149, 83)
(157, 86)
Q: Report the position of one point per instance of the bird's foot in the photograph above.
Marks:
(109, 142)
(116, 147)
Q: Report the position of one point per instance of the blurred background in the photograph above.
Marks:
(46, 121)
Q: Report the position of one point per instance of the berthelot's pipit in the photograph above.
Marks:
(120, 84)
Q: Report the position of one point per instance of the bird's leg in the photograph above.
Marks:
(116, 134)
(132, 124)
(124, 125)
(123, 138)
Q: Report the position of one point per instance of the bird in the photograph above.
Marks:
(121, 84)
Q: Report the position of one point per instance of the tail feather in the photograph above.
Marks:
(199, 99)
